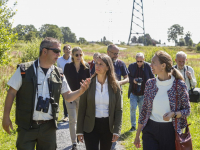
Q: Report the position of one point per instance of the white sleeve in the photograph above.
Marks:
(16, 80)
(65, 86)
(193, 80)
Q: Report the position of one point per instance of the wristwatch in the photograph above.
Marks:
(174, 115)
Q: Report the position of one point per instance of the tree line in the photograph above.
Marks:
(64, 34)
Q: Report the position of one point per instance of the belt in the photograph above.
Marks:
(38, 122)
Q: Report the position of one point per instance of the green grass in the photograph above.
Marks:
(7, 142)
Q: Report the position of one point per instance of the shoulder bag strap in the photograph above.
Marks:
(176, 104)
(189, 79)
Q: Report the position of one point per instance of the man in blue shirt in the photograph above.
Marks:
(120, 67)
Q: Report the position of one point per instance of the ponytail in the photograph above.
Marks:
(177, 74)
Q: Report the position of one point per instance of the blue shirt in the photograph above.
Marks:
(120, 69)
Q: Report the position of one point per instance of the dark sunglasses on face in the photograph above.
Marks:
(139, 61)
(115, 53)
(79, 55)
(54, 50)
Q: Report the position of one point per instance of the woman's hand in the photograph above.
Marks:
(115, 138)
(168, 115)
(137, 142)
(80, 138)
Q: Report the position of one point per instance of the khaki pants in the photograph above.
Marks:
(43, 136)
(72, 109)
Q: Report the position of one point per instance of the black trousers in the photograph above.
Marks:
(100, 134)
(158, 136)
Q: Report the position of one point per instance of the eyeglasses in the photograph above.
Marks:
(114, 53)
(79, 55)
(55, 50)
(139, 61)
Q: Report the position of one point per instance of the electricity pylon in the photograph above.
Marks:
(137, 20)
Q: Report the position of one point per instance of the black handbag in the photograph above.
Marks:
(194, 94)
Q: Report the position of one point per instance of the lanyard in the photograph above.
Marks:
(48, 81)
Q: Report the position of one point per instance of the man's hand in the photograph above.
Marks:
(134, 80)
(80, 138)
(115, 138)
(189, 75)
(168, 115)
(84, 85)
(7, 124)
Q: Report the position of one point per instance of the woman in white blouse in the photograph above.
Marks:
(100, 108)
(157, 117)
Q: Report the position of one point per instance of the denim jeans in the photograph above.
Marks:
(134, 101)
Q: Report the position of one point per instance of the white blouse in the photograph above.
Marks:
(161, 101)
(101, 100)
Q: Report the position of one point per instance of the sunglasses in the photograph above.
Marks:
(54, 50)
(139, 61)
(79, 55)
(114, 53)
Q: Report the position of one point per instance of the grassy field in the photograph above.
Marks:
(7, 142)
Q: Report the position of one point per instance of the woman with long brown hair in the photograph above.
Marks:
(157, 117)
(75, 72)
(100, 109)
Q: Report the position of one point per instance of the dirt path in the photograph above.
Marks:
(64, 140)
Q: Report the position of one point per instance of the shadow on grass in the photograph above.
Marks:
(125, 135)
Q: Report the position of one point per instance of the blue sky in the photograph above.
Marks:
(93, 19)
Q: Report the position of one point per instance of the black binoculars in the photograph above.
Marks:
(43, 104)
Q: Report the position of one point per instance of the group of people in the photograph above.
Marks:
(92, 97)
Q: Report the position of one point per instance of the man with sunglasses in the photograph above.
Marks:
(120, 67)
(37, 87)
(66, 58)
(139, 73)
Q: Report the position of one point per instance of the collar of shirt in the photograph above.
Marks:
(66, 59)
(105, 86)
(181, 69)
(39, 68)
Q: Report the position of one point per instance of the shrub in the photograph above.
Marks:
(31, 50)
(198, 48)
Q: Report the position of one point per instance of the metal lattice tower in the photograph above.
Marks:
(137, 20)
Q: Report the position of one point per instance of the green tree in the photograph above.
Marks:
(198, 47)
(31, 35)
(104, 40)
(52, 31)
(174, 31)
(20, 30)
(134, 39)
(68, 36)
(181, 42)
(73, 38)
(7, 37)
(187, 37)
(190, 43)
(82, 40)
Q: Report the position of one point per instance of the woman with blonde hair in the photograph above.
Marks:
(157, 117)
(100, 109)
(75, 72)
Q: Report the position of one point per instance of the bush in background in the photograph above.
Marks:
(198, 48)
(31, 50)
(7, 37)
